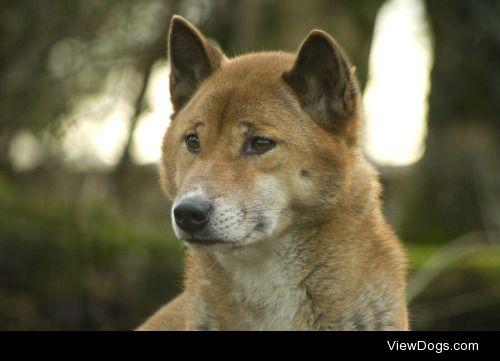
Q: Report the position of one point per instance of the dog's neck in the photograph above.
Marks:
(261, 284)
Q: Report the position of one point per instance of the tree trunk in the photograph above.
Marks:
(456, 186)
(282, 25)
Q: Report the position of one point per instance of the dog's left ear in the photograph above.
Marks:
(324, 81)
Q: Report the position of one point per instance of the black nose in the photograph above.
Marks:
(192, 214)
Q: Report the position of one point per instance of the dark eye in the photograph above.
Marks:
(259, 145)
(192, 142)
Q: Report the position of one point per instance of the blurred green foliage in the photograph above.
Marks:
(69, 263)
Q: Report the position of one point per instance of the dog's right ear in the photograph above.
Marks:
(192, 59)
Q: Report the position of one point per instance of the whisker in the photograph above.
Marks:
(210, 268)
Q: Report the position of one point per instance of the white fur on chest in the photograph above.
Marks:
(267, 288)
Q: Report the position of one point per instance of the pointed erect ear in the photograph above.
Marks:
(192, 59)
(324, 81)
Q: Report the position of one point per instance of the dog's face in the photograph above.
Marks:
(255, 140)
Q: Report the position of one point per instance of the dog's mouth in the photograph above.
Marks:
(205, 241)
(202, 241)
(211, 244)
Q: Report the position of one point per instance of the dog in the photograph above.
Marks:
(271, 193)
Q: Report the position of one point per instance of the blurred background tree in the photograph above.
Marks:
(85, 243)
(455, 194)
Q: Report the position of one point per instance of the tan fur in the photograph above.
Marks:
(330, 261)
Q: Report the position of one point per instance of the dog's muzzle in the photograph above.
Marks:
(192, 216)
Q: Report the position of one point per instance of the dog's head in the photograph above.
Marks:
(255, 140)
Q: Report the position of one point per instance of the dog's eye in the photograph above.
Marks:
(192, 142)
(259, 145)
